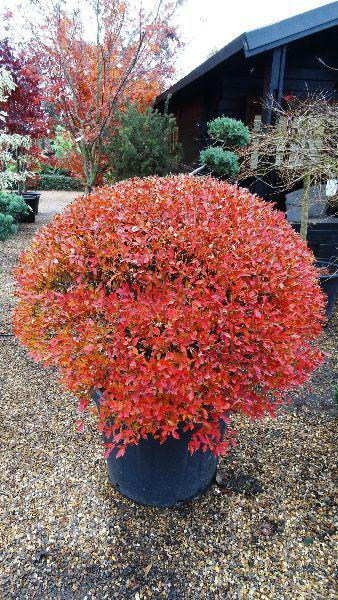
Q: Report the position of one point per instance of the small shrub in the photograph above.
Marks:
(224, 162)
(7, 227)
(182, 298)
(12, 204)
(57, 182)
(228, 134)
(144, 144)
(231, 132)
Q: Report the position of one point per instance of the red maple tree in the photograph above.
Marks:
(24, 106)
(97, 56)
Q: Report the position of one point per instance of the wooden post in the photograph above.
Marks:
(274, 82)
(272, 90)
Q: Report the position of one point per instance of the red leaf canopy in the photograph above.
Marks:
(183, 298)
(25, 114)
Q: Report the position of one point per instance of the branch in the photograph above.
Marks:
(326, 65)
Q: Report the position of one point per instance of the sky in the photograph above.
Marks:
(205, 26)
(208, 25)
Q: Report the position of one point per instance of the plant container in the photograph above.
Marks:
(329, 284)
(162, 475)
(30, 217)
(32, 199)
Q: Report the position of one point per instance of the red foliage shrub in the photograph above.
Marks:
(183, 298)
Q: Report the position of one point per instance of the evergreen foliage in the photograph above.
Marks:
(12, 204)
(231, 132)
(227, 135)
(57, 182)
(11, 207)
(7, 226)
(144, 144)
(223, 161)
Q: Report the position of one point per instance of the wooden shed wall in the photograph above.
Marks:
(235, 87)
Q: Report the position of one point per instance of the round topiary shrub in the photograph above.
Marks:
(184, 299)
(231, 132)
(224, 162)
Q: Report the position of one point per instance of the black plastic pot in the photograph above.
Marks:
(329, 285)
(29, 217)
(32, 199)
(161, 475)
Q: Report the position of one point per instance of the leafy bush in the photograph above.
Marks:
(228, 134)
(49, 170)
(223, 161)
(11, 207)
(57, 182)
(182, 298)
(7, 226)
(231, 132)
(12, 204)
(144, 144)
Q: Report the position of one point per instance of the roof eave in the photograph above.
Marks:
(216, 59)
(262, 40)
(291, 38)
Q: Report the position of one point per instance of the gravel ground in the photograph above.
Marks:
(263, 531)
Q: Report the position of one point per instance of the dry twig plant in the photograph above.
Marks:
(300, 147)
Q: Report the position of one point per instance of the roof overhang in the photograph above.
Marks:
(263, 39)
(289, 30)
(216, 59)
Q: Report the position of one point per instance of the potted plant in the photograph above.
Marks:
(176, 302)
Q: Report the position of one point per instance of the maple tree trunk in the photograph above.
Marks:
(87, 170)
(91, 162)
(304, 217)
(90, 180)
(18, 170)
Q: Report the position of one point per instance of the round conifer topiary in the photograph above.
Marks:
(230, 132)
(227, 135)
(224, 162)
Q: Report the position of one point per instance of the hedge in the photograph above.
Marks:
(57, 182)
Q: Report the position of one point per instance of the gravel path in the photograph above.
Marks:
(263, 531)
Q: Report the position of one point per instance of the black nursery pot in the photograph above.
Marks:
(329, 285)
(161, 475)
(32, 200)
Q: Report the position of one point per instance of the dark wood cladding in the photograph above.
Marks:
(304, 71)
(234, 87)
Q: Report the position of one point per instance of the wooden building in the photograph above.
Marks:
(289, 57)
